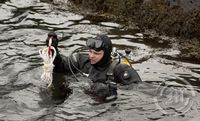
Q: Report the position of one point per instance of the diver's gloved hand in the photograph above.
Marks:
(112, 91)
(54, 38)
(102, 91)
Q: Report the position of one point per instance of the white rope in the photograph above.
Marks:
(48, 58)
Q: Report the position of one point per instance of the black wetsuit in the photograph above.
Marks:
(122, 73)
(104, 74)
(113, 71)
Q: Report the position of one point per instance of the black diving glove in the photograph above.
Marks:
(113, 91)
(53, 36)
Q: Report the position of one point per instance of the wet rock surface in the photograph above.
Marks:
(176, 18)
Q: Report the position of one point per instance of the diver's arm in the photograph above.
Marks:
(65, 64)
(125, 74)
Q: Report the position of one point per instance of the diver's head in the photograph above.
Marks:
(100, 49)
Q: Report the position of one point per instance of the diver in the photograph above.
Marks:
(96, 64)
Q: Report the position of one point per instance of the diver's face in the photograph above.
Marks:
(95, 56)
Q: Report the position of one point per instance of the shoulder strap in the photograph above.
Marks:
(111, 69)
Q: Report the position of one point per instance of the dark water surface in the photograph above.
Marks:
(24, 25)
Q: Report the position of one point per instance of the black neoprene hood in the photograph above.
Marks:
(106, 47)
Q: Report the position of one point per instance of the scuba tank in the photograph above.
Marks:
(115, 54)
(124, 59)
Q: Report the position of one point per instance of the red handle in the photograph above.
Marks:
(49, 50)
(49, 47)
